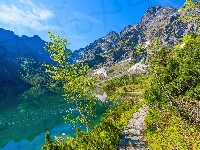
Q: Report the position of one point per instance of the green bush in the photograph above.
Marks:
(175, 77)
(165, 129)
(173, 97)
(106, 135)
(125, 80)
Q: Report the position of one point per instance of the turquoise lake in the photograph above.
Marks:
(24, 119)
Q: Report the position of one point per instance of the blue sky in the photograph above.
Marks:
(83, 21)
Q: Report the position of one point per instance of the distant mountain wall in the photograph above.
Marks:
(159, 21)
(11, 48)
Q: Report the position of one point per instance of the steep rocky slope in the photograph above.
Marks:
(107, 51)
(11, 48)
(158, 21)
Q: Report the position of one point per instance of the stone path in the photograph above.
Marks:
(132, 135)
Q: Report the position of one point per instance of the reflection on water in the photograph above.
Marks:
(39, 140)
(102, 97)
(34, 112)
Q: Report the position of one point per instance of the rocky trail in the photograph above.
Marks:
(133, 133)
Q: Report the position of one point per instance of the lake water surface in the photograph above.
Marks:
(25, 118)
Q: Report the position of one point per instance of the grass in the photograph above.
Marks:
(106, 135)
(165, 129)
(118, 69)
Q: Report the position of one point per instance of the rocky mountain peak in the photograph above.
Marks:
(102, 45)
(131, 31)
(112, 37)
(157, 14)
(37, 37)
(6, 35)
(158, 21)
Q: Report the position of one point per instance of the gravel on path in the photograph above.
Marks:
(133, 133)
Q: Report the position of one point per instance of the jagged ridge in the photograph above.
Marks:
(158, 21)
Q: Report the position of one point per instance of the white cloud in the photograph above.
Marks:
(75, 36)
(71, 21)
(39, 11)
(21, 1)
(167, 2)
(31, 16)
(87, 18)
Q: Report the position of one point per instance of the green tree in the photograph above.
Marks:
(190, 12)
(175, 75)
(173, 96)
(72, 79)
(175, 70)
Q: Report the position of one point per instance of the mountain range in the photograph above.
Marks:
(12, 47)
(159, 21)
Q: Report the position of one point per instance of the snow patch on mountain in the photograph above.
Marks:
(100, 71)
(140, 66)
(127, 60)
(146, 44)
